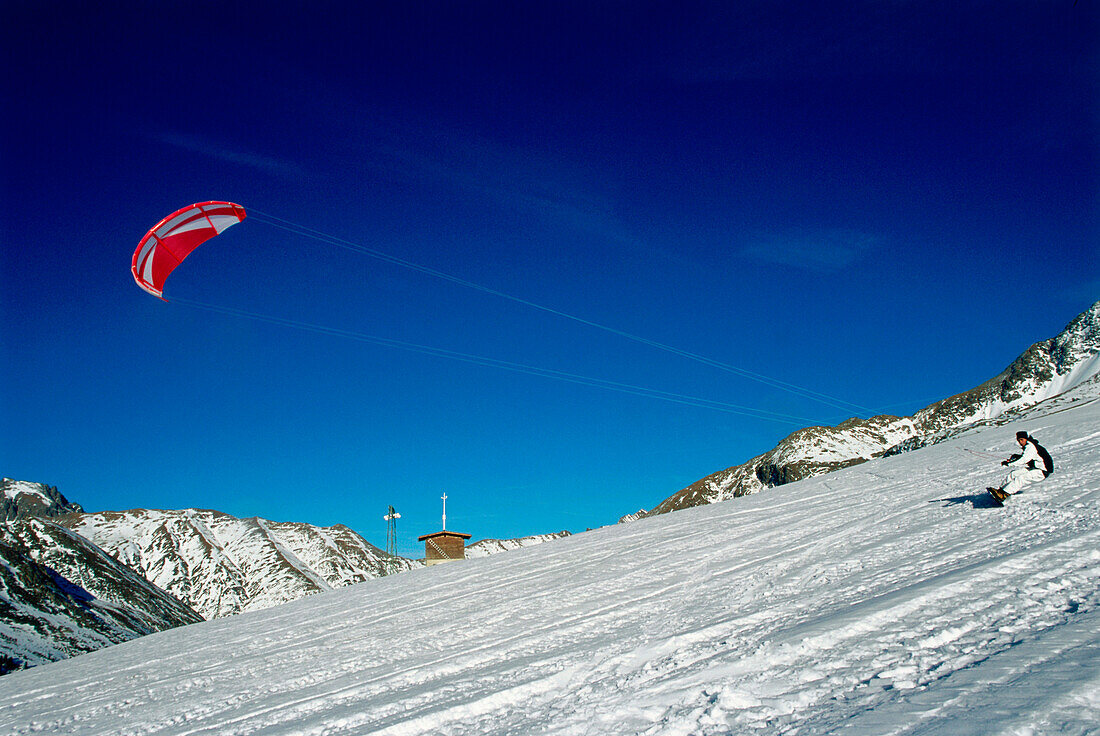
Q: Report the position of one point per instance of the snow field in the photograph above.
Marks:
(887, 598)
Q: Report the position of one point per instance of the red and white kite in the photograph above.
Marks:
(172, 239)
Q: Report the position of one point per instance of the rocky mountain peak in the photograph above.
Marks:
(22, 500)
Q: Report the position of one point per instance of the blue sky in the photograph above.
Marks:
(883, 204)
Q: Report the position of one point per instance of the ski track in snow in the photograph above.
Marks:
(887, 598)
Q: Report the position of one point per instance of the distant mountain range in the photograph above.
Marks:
(1046, 369)
(487, 547)
(221, 565)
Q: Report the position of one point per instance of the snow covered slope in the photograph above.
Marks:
(221, 565)
(888, 597)
(1046, 369)
(60, 595)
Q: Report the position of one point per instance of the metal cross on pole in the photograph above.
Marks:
(444, 511)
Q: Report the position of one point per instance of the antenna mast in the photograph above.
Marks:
(391, 541)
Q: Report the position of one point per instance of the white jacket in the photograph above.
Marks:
(1030, 454)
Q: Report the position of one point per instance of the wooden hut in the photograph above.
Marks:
(444, 546)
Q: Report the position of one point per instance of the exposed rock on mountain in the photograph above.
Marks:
(60, 595)
(20, 500)
(221, 565)
(803, 454)
(1046, 369)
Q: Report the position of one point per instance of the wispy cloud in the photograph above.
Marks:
(825, 251)
(197, 144)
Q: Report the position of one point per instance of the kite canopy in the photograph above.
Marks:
(172, 239)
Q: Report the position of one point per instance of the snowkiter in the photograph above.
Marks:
(1029, 466)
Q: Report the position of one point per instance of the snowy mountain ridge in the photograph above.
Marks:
(486, 547)
(1046, 369)
(888, 597)
(222, 565)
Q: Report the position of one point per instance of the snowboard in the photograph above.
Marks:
(997, 495)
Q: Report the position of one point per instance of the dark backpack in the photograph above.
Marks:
(1045, 455)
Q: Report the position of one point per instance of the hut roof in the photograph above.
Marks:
(434, 535)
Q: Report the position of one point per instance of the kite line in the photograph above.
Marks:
(308, 232)
(505, 365)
